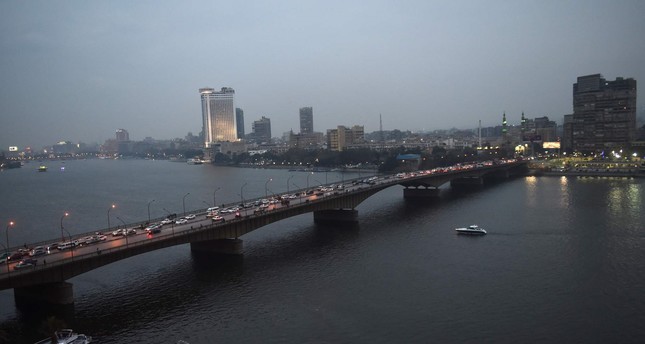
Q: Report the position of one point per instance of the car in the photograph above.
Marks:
(153, 230)
(117, 232)
(93, 239)
(15, 256)
(237, 214)
(189, 216)
(38, 251)
(166, 221)
(217, 218)
(25, 263)
(181, 221)
(66, 245)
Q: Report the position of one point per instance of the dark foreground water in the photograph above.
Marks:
(564, 262)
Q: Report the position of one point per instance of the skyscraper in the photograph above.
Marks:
(218, 114)
(306, 120)
(604, 113)
(239, 122)
(262, 129)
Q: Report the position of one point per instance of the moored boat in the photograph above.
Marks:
(472, 230)
(66, 336)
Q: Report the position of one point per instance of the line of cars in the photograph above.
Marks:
(26, 257)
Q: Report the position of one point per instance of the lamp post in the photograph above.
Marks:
(149, 210)
(299, 193)
(266, 192)
(308, 175)
(108, 214)
(11, 223)
(70, 240)
(125, 230)
(215, 204)
(62, 235)
(242, 192)
(183, 202)
(289, 179)
(172, 223)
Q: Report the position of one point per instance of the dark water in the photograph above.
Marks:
(564, 262)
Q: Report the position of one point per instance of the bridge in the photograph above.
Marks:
(45, 282)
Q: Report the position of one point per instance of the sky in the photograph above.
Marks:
(80, 70)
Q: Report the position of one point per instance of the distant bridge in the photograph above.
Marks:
(46, 281)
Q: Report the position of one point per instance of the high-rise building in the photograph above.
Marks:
(604, 113)
(341, 137)
(262, 129)
(122, 135)
(239, 122)
(218, 114)
(306, 120)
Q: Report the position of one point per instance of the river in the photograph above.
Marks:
(564, 261)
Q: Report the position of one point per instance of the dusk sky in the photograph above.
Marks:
(79, 70)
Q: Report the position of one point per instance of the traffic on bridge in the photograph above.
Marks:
(39, 255)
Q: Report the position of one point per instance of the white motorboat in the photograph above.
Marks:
(66, 336)
(472, 229)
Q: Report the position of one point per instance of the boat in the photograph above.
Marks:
(42, 168)
(472, 229)
(66, 336)
(194, 161)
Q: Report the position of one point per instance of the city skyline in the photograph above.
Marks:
(136, 66)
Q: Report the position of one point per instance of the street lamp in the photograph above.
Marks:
(70, 240)
(266, 193)
(215, 204)
(183, 201)
(308, 175)
(299, 192)
(108, 214)
(149, 210)
(242, 192)
(62, 235)
(11, 223)
(289, 179)
(125, 230)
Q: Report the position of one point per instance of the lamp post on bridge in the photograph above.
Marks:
(108, 214)
(62, 235)
(308, 175)
(289, 179)
(215, 204)
(125, 230)
(242, 192)
(299, 193)
(11, 223)
(149, 210)
(183, 202)
(266, 192)
(172, 222)
(70, 240)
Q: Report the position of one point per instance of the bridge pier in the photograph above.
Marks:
(59, 293)
(420, 193)
(218, 246)
(336, 216)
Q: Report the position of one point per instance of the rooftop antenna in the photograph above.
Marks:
(480, 133)
(380, 118)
